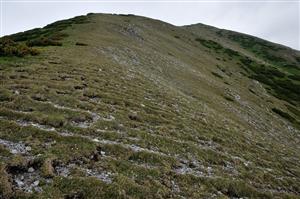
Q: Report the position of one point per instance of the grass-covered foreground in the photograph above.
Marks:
(119, 106)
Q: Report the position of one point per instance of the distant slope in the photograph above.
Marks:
(122, 106)
(277, 66)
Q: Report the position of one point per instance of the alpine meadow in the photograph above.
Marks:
(124, 106)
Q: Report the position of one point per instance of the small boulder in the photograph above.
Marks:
(31, 170)
(19, 182)
(36, 183)
(28, 148)
(14, 151)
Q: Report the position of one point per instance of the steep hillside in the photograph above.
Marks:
(121, 106)
(276, 66)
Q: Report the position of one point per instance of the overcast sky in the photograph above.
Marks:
(276, 21)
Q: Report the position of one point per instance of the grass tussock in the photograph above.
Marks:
(6, 190)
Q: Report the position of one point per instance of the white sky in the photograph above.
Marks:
(276, 21)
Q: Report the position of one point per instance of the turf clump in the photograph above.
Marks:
(5, 186)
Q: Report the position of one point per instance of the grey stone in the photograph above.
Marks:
(19, 182)
(28, 148)
(36, 183)
(30, 170)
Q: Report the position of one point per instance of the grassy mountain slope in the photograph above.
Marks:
(120, 106)
(276, 66)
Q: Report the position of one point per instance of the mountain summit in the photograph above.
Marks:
(122, 106)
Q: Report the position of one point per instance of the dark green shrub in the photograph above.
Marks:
(246, 61)
(11, 48)
(217, 75)
(271, 57)
(280, 85)
(268, 71)
(265, 50)
(231, 53)
(24, 36)
(47, 36)
(289, 85)
(293, 110)
(275, 72)
(58, 36)
(209, 44)
(294, 77)
(287, 117)
(263, 79)
(43, 41)
(284, 114)
(51, 31)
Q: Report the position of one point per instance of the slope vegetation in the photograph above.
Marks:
(121, 106)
